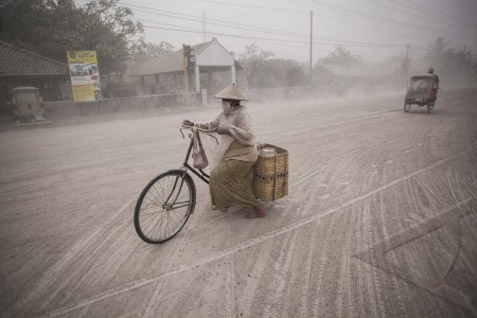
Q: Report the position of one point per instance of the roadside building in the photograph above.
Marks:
(341, 80)
(209, 65)
(20, 67)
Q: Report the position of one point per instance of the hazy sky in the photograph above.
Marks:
(374, 29)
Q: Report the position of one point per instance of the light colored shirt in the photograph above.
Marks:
(239, 145)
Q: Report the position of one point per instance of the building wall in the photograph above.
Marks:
(215, 55)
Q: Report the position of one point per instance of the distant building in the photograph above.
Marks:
(364, 70)
(21, 67)
(210, 66)
(340, 80)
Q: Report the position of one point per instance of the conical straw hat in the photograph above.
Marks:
(231, 92)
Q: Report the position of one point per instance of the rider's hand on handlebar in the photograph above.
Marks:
(187, 123)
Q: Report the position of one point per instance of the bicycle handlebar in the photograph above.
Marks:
(207, 132)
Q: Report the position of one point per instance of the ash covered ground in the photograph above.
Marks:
(380, 220)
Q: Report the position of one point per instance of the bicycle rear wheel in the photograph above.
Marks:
(164, 206)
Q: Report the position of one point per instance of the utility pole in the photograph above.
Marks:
(311, 46)
(406, 63)
(186, 52)
(203, 27)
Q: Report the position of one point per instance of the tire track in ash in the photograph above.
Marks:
(394, 281)
(259, 264)
(368, 308)
(47, 280)
(382, 227)
(281, 266)
(348, 154)
(231, 275)
(93, 254)
(376, 254)
(321, 267)
(94, 243)
(307, 268)
(158, 295)
(294, 129)
(345, 301)
(224, 253)
(118, 257)
(370, 275)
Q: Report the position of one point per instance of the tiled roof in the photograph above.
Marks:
(165, 63)
(15, 61)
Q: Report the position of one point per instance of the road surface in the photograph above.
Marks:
(380, 220)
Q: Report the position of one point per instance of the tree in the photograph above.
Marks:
(261, 71)
(446, 59)
(149, 50)
(253, 61)
(253, 53)
(52, 27)
(341, 56)
(455, 67)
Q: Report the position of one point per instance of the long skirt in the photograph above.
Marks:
(231, 184)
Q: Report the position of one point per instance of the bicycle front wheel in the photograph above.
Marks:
(164, 206)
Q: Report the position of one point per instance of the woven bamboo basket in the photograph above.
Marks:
(270, 179)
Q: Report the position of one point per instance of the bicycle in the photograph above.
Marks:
(166, 203)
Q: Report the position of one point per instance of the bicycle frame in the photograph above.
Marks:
(165, 201)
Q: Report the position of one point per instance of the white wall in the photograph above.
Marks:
(215, 55)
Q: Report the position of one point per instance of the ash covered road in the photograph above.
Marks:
(380, 220)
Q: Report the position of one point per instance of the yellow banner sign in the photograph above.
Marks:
(82, 57)
(84, 74)
(83, 93)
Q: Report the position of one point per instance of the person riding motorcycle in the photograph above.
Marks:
(436, 78)
(435, 86)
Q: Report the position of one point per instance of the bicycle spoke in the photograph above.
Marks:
(156, 195)
(147, 224)
(152, 200)
(152, 213)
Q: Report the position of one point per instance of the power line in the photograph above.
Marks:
(274, 32)
(267, 40)
(232, 35)
(330, 41)
(249, 6)
(323, 41)
(196, 19)
(356, 13)
(438, 13)
(189, 30)
(359, 14)
(229, 24)
(232, 24)
(413, 13)
(357, 24)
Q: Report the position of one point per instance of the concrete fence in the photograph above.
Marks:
(282, 93)
(161, 101)
(113, 105)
